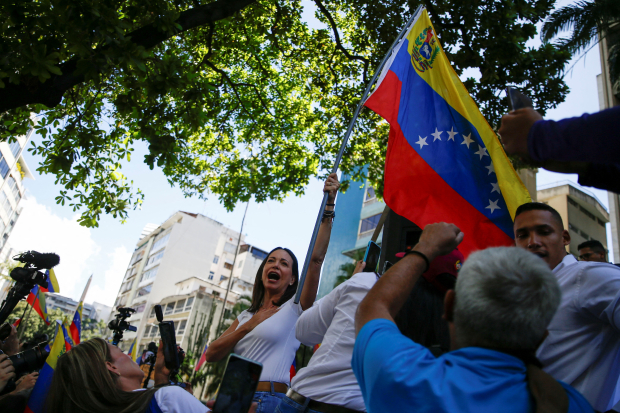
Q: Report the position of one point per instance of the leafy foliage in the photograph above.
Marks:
(235, 98)
(588, 22)
(346, 270)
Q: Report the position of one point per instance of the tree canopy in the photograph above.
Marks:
(235, 98)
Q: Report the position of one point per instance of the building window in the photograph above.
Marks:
(144, 290)
(228, 266)
(152, 313)
(140, 308)
(223, 277)
(601, 223)
(154, 331)
(149, 274)
(4, 167)
(370, 223)
(179, 306)
(583, 234)
(370, 194)
(181, 327)
(211, 274)
(189, 303)
(6, 205)
(155, 257)
(127, 286)
(588, 213)
(216, 259)
(147, 331)
(14, 189)
(572, 202)
(169, 308)
(228, 247)
(259, 254)
(160, 241)
(15, 147)
(240, 264)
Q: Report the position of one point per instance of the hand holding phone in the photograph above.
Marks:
(517, 100)
(371, 258)
(238, 385)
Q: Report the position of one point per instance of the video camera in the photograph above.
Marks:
(26, 278)
(118, 325)
(173, 354)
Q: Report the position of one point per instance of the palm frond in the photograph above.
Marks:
(584, 19)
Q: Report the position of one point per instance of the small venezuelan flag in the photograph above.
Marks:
(36, 402)
(76, 325)
(133, 350)
(444, 162)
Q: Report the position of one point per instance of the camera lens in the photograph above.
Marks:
(30, 360)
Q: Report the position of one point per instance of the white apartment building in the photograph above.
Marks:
(184, 265)
(67, 305)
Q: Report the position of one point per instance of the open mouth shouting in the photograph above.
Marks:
(273, 276)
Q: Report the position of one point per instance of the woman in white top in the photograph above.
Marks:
(266, 331)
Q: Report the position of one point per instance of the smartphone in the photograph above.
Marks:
(238, 385)
(371, 258)
(169, 340)
(517, 100)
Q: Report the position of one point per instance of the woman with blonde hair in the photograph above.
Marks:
(97, 377)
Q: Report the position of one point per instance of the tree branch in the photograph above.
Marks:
(339, 45)
(50, 93)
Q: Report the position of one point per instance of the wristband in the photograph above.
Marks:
(424, 257)
(330, 205)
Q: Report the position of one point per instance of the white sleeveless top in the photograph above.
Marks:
(272, 342)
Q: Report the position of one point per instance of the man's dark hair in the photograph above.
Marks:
(259, 289)
(539, 206)
(594, 245)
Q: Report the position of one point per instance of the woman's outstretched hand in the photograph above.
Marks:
(331, 187)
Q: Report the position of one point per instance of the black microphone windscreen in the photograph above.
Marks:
(44, 260)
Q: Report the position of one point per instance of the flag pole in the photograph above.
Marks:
(343, 146)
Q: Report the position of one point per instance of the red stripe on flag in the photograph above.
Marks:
(415, 191)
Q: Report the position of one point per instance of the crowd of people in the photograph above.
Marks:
(527, 328)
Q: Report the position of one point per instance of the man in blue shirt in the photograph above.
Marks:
(498, 315)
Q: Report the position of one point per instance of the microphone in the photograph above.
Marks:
(38, 260)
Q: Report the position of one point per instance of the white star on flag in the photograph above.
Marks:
(467, 140)
(491, 168)
(495, 187)
(482, 152)
(493, 205)
(451, 134)
(436, 135)
(422, 141)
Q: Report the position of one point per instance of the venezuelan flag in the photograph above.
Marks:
(52, 282)
(68, 341)
(76, 325)
(444, 162)
(133, 350)
(36, 402)
(203, 358)
(36, 299)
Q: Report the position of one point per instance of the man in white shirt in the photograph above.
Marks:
(328, 384)
(583, 346)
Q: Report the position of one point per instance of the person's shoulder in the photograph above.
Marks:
(174, 399)
(364, 279)
(576, 402)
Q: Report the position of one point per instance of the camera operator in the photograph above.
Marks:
(96, 376)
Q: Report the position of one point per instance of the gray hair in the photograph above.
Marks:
(505, 298)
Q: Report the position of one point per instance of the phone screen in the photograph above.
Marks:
(371, 258)
(238, 385)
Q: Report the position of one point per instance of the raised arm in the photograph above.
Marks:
(311, 285)
(389, 294)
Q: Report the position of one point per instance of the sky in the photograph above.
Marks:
(105, 251)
